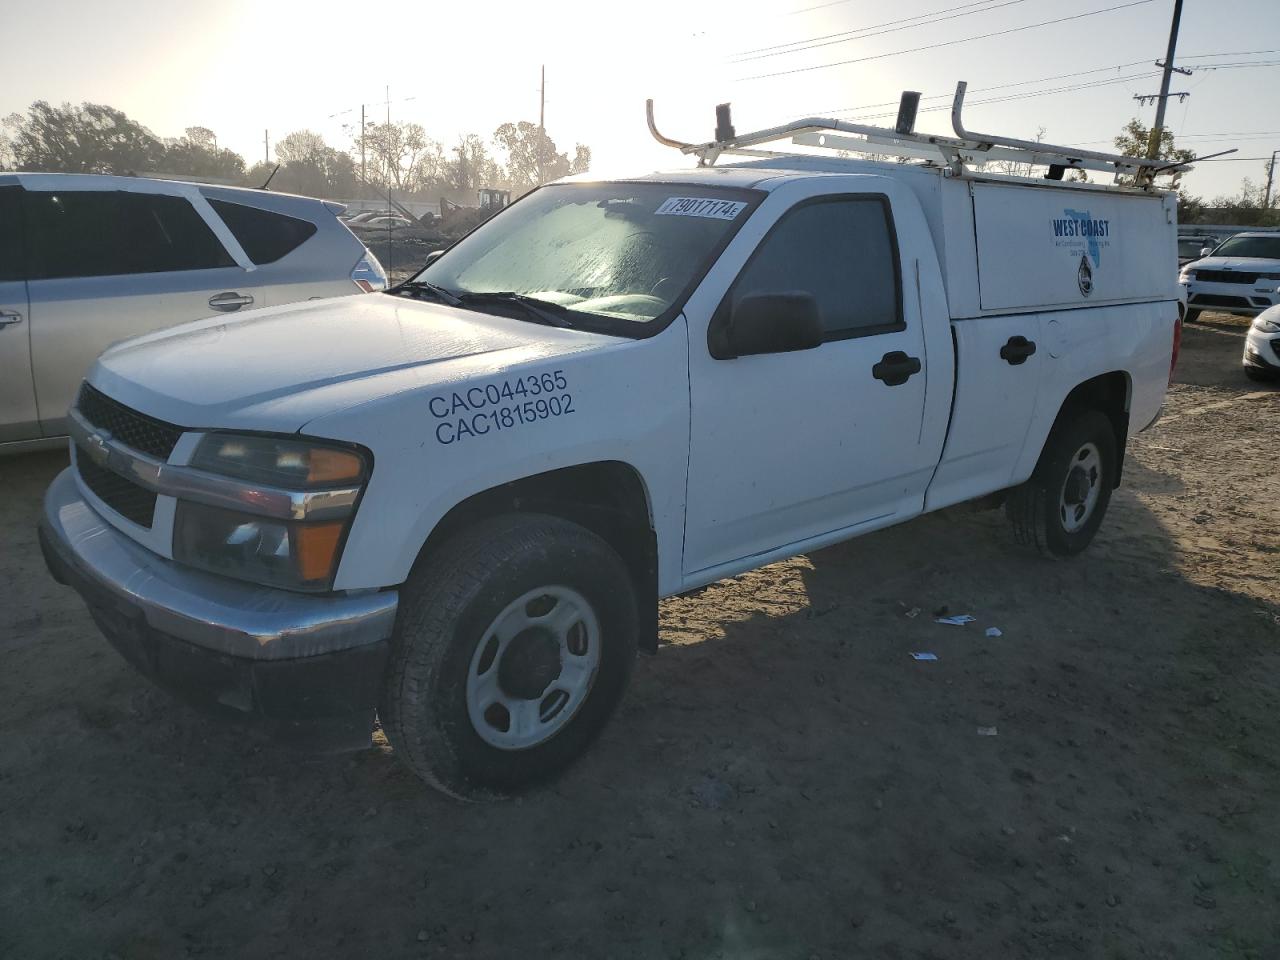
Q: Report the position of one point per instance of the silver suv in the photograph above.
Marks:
(86, 260)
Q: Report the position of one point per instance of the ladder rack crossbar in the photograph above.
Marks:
(953, 152)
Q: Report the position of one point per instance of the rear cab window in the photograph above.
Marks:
(83, 233)
(265, 235)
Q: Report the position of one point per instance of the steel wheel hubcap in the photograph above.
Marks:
(533, 668)
(1080, 489)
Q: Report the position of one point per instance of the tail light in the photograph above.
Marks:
(1177, 346)
(368, 274)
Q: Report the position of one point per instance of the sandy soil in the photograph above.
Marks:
(783, 780)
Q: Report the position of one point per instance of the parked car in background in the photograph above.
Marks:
(1194, 247)
(395, 226)
(1239, 277)
(1262, 346)
(364, 215)
(86, 260)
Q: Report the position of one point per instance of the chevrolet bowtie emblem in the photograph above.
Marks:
(97, 447)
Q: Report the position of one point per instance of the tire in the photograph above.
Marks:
(1042, 511)
(1191, 316)
(478, 624)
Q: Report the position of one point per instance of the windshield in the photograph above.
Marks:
(1192, 247)
(1260, 248)
(616, 257)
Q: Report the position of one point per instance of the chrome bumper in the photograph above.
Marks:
(224, 616)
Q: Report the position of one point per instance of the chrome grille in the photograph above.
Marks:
(1225, 276)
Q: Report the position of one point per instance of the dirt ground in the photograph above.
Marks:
(782, 781)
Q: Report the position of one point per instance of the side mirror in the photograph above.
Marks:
(1205, 251)
(769, 323)
(432, 257)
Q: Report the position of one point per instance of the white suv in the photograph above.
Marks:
(1240, 276)
(86, 260)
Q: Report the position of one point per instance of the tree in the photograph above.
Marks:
(90, 138)
(1244, 208)
(581, 159)
(532, 157)
(401, 156)
(1135, 137)
(196, 154)
(309, 165)
(471, 166)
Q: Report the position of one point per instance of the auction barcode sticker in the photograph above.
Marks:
(700, 207)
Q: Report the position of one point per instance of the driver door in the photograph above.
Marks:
(789, 447)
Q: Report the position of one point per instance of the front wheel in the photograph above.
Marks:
(512, 647)
(1061, 507)
(1191, 316)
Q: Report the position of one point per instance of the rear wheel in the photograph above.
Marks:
(511, 650)
(1192, 316)
(1061, 507)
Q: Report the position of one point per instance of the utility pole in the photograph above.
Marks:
(363, 180)
(1157, 128)
(266, 150)
(542, 119)
(1271, 170)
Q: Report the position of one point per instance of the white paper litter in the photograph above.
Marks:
(994, 632)
(957, 621)
(924, 656)
(986, 731)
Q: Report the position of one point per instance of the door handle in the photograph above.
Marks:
(8, 318)
(1017, 350)
(896, 368)
(227, 302)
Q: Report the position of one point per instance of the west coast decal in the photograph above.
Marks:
(1082, 238)
(700, 207)
(477, 411)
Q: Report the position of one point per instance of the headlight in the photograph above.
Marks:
(291, 553)
(294, 555)
(1186, 275)
(1268, 325)
(280, 461)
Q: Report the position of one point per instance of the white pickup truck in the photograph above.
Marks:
(456, 505)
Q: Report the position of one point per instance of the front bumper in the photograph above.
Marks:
(1239, 299)
(306, 667)
(1262, 351)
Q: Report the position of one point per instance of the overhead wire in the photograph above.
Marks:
(948, 43)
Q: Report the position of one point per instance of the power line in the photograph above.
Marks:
(998, 86)
(1020, 83)
(948, 43)
(861, 33)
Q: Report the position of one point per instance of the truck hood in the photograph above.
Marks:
(1242, 264)
(278, 368)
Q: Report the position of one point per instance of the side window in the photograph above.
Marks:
(841, 250)
(11, 234)
(266, 236)
(110, 233)
(166, 234)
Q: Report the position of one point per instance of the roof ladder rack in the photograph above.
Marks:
(952, 153)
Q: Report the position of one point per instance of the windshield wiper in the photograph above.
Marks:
(439, 292)
(540, 311)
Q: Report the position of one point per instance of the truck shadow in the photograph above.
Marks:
(783, 779)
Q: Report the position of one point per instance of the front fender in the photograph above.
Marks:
(437, 445)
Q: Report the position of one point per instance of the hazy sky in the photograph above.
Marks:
(242, 68)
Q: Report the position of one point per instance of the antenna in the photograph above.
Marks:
(267, 184)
